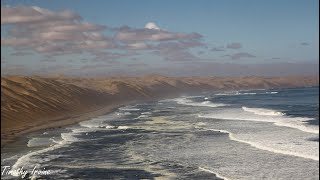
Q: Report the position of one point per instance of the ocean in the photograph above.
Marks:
(256, 134)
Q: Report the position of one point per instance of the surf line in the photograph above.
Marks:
(231, 136)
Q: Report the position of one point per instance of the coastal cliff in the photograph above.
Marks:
(33, 103)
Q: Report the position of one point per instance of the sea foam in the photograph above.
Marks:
(238, 93)
(29, 161)
(263, 111)
(264, 115)
(263, 145)
(209, 171)
(186, 101)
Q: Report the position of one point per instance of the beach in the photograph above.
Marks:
(211, 135)
(34, 103)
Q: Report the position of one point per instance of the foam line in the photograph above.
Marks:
(244, 93)
(263, 112)
(259, 146)
(68, 138)
(185, 101)
(209, 171)
(265, 115)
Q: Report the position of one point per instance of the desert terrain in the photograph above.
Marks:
(30, 103)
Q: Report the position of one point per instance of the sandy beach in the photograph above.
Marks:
(29, 104)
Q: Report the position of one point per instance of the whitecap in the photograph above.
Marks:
(264, 115)
(186, 101)
(37, 141)
(264, 146)
(129, 109)
(28, 161)
(263, 111)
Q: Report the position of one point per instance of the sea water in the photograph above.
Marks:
(257, 134)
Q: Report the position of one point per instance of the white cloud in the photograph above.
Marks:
(151, 25)
(64, 32)
(127, 34)
(52, 33)
(33, 14)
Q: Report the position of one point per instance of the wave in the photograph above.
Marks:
(129, 109)
(98, 124)
(264, 147)
(186, 101)
(11, 158)
(27, 162)
(182, 97)
(273, 92)
(263, 112)
(264, 115)
(142, 116)
(123, 114)
(209, 171)
(237, 93)
(34, 142)
(96, 127)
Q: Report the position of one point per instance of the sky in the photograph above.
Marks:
(169, 37)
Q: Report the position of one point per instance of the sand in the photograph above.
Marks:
(34, 103)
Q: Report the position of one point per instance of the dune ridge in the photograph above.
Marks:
(33, 103)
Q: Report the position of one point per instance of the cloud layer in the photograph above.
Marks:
(64, 32)
(49, 32)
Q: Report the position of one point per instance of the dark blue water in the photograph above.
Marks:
(295, 102)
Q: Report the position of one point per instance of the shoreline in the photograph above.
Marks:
(62, 122)
(67, 120)
(113, 106)
(30, 104)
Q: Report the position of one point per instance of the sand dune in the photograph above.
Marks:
(32, 103)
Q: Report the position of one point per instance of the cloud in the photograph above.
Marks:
(234, 46)
(217, 49)
(33, 14)
(241, 55)
(151, 33)
(138, 46)
(171, 46)
(52, 33)
(304, 44)
(151, 25)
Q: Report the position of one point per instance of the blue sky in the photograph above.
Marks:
(266, 31)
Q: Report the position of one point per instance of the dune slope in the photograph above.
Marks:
(31, 102)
